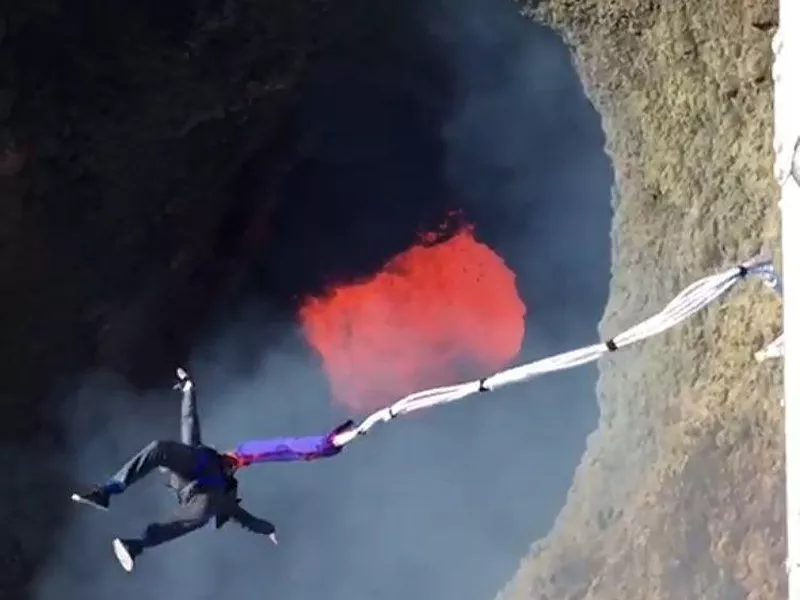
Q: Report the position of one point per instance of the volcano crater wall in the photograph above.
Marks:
(680, 492)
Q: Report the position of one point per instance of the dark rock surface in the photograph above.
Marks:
(125, 131)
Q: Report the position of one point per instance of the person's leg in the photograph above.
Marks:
(178, 458)
(192, 515)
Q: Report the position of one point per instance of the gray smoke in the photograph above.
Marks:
(440, 505)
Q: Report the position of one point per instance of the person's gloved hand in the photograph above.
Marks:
(184, 382)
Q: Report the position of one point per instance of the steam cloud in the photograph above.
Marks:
(440, 506)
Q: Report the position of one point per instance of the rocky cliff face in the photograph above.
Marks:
(126, 129)
(680, 493)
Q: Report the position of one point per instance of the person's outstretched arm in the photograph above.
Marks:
(253, 523)
(190, 419)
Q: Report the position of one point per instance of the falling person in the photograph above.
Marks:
(203, 478)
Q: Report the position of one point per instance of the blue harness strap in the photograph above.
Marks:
(210, 478)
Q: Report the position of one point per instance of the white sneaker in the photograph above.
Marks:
(123, 555)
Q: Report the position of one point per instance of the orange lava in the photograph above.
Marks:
(443, 311)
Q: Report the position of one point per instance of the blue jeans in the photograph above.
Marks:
(201, 470)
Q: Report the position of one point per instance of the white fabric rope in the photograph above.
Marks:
(691, 300)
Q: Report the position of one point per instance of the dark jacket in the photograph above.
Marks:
(212, 478)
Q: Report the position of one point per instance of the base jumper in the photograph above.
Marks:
(202, 477)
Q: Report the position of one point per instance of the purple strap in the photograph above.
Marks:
(288, 449)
